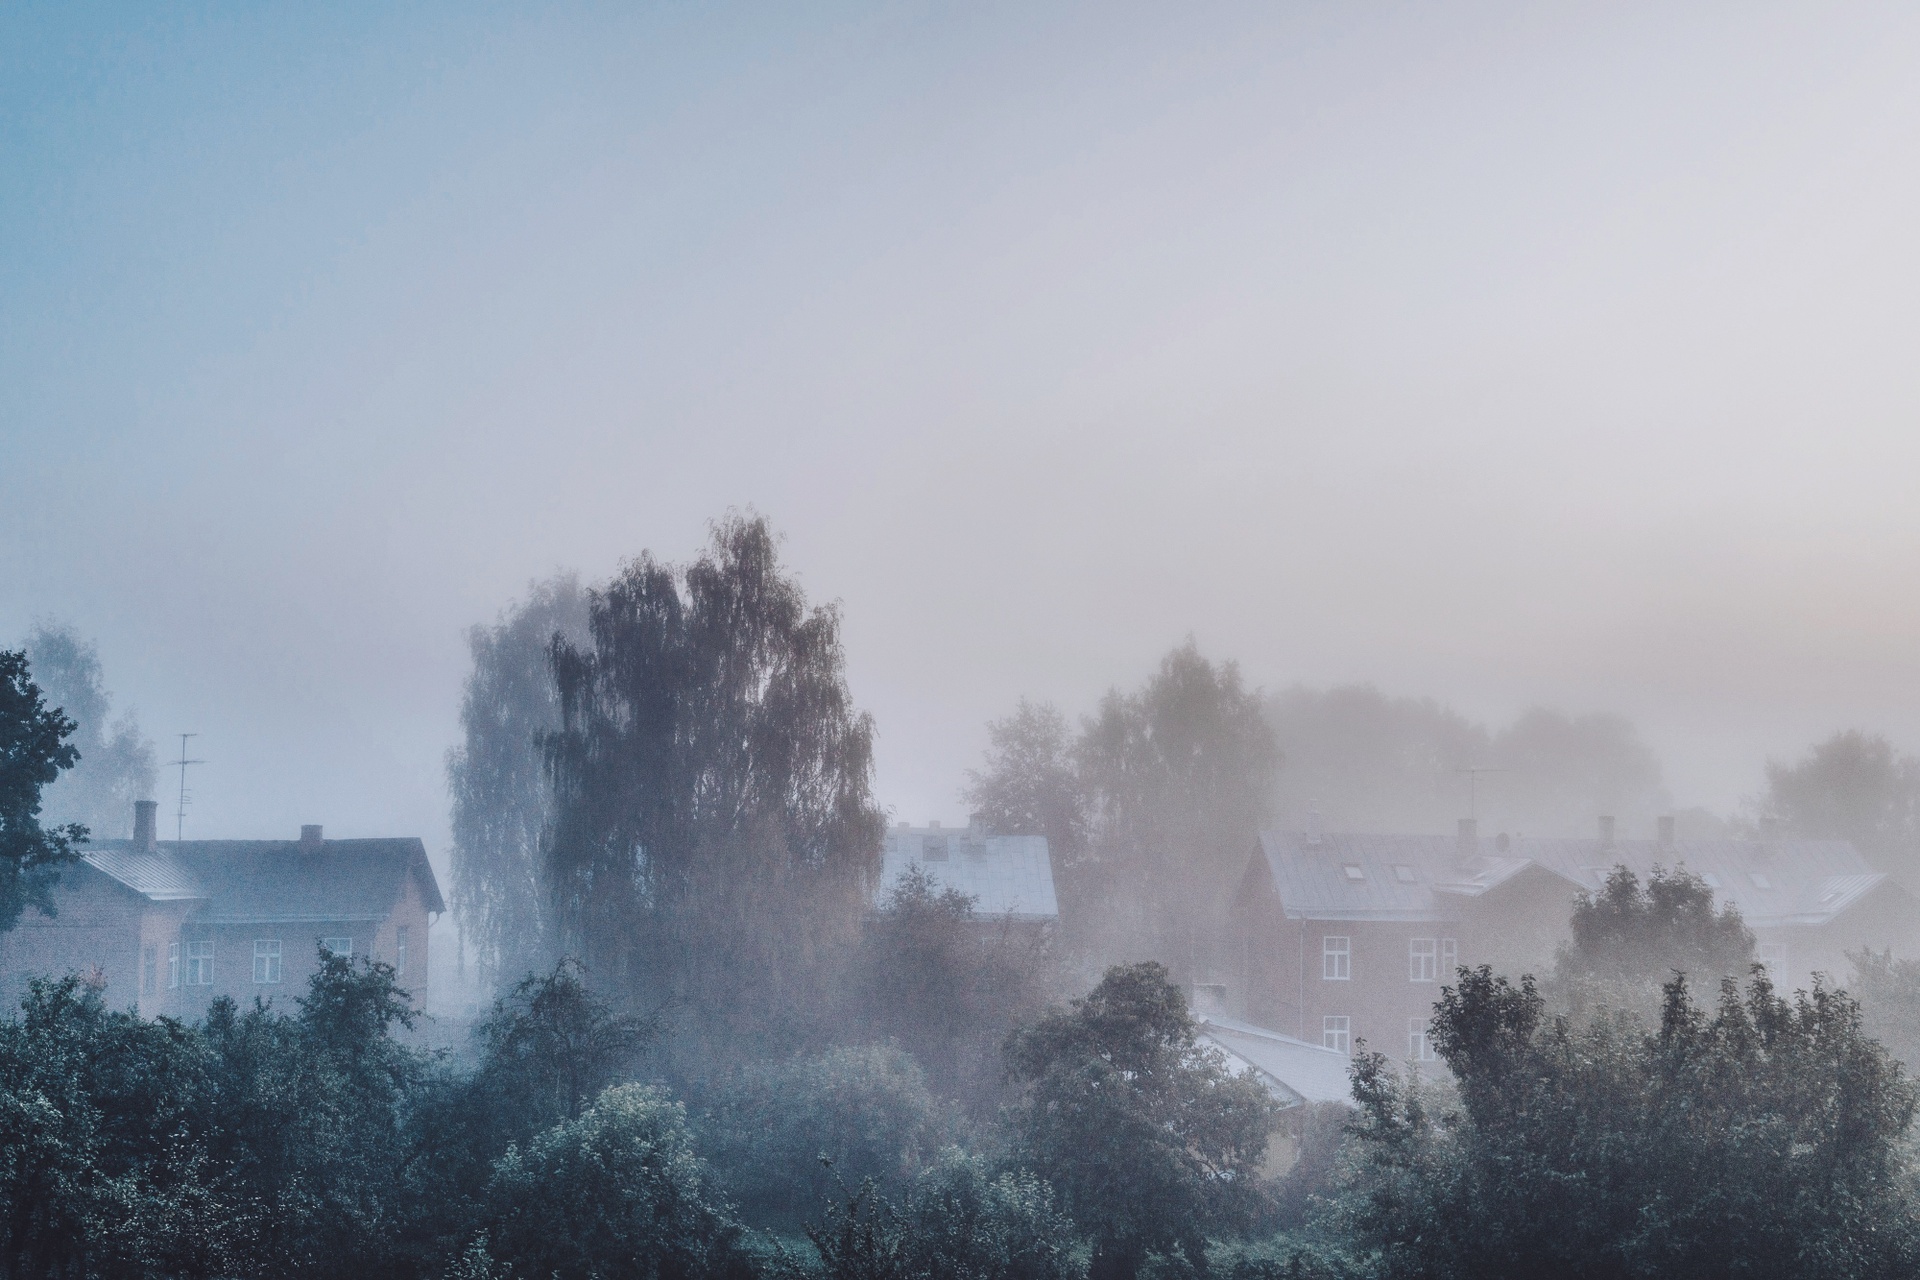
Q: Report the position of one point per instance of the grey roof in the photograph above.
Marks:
(1005, 875)
(1425, 877)
(1294, 1071)
(247, 881)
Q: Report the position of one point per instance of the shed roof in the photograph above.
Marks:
(1354, 876)
(1294, 1071)
(1005, 875)
(260, 881)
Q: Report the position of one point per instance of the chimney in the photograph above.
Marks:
(310, 836)
(1468, 841)
(1606, 830)
(1313, 828)
(1666, 831)
(145, 819)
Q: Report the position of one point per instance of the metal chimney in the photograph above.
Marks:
(1313, 828)
(146, 816)
(310, 836)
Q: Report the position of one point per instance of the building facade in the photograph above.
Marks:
(168, 927)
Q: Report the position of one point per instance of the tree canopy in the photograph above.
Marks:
(34, 749)
(1853, 786)
(116, 764)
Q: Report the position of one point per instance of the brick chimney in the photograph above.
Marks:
(146, 814)
(310, 836)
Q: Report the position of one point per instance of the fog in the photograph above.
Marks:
(1501, 357)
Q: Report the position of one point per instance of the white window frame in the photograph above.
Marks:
(334, 945)
(266, 960)
(1423, 960)
(1419, 1041)
(1449, 957)
(1336, 957)
(400, 951)
(1336, 1032)
(173, 966)
(200, 962)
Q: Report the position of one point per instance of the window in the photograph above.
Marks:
(200, 963)
(266, 960)
(1419, 1044)
(935, 849)
(1336, 959)
(1403, 873)
(1760, 880)
(400, 952)
(149, 970)
(338, 946)
(1423, 960)
(1336, 1032)
(173, 965)
(1353, 871)
(1449, 957)
(1774, 956)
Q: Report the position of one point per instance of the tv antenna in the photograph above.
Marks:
(1473, 772)
(180, 814)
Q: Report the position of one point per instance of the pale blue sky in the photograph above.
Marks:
(1495, 352)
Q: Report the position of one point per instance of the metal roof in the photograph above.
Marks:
(1294, 1071)
(261, 881)
(1005, 875)
(1349, 876)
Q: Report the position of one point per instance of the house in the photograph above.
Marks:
(1341, 937)
(1293, 1071)
(169, 926)
(1010, 878)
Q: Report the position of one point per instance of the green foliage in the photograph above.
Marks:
(1032, 785)
(1630, 938)
(959, 1221)
(116, 764)
(1149, 1139)
(502, 797)
(1759, 1138)
(34, 749)
(947, 986)
(715, 832)
(865, 1108)
(1889, 993)
(615, 1194)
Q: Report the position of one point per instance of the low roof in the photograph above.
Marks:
(1005, 875)
(1352, 876)
(1294, 1071)
(269, 881)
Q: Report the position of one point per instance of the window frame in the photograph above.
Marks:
(1343, 1033)
(199, 957)
(1423, 959)
(173, 966)
(1420, 1041)
(1449, 957)
(266, 961)
(1338, 958)
(347, 951)
(400, 951)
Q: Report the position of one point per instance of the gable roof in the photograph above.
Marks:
(1294, 1071)
(1349, 876)
(1005, 875)
(262, 881)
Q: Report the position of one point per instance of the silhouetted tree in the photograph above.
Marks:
(1031, 785)
(116, 765)
(1630, 938)
(502, 796)
(1180, 776)
(1763, 1137)
(34, 749)
(1854, 786)
(715, 836)
(947, 985)
(1149, 1139)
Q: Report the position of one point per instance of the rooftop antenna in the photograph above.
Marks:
(180, 814)
(1473, 772)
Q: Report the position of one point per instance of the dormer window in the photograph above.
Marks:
(1353, 871)
(1403, 873)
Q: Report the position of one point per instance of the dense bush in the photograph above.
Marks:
(865, 1108)
(616, 1194)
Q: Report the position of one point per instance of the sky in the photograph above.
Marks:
(1505, 354)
